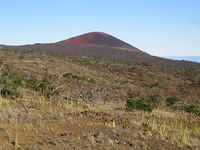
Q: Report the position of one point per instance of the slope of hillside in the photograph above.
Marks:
(59, 102)
(100, 45)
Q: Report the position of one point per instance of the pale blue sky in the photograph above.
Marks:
(159, 27)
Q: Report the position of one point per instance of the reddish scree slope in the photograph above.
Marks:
(98, 39)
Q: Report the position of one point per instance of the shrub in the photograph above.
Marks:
(91, 80)
(71, 76)
(44, 87)
(196, 84)
(172, 100)
(156, 85)
(76, 77)
(12, 81)
(139, 103)
(21, 57)
(156, 100)
(193, 109)
(8, 92)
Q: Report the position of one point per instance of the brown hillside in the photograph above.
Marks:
(59, 102)
(101, 45)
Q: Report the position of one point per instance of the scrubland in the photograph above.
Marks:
(60, 102)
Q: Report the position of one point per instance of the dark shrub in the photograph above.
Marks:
(76, 77)
(156, 100)
(139, 103)
(172, 100)
(44, 87)
(21, 57)
(13, 80)
(8, 92)
(91, 80)
(71, 76)
(156, 85)
(193, 109)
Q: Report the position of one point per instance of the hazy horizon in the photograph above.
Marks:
(186, 58)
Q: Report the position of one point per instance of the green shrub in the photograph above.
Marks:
(9, 92)
(76, 77)
(193, 109)
(44, 87)
(71, 76)
(172, 100)
(156, 100)
(12, 81)
(21, 57)
(156, 85)
(91, 80)
(139, 103)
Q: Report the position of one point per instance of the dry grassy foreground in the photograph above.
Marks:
(26, 124)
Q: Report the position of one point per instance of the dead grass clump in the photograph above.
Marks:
(179, 130)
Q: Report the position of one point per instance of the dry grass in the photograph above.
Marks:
(177, 127)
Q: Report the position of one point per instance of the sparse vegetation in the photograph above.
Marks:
(76, 77)
(156, 100)
(44, 87)
(193, 109)
(177, 131)
(12, 81)
(58, 107)
(139, 103)
(172, 100)
(145, 103)
(156, 85)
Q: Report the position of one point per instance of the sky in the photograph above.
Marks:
(158, 27)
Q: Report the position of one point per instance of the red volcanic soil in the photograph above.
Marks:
(97, 39)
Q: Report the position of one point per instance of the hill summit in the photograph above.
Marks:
(100, 45)
(98, 39)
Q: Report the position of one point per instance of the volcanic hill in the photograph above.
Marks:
(101, 45)
(98, 39)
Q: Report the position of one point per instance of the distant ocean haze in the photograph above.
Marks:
(187, 58)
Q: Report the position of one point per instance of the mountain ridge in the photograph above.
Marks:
(101, 45)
